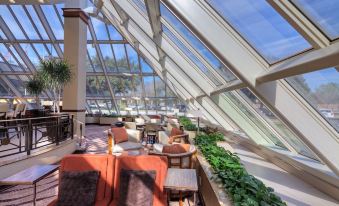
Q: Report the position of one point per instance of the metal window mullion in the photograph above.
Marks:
(48, 29)
(17, 47)
(90, 26)
(196, 54)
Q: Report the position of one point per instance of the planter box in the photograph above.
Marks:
(212, 192)
(109, 120)
(191, 135)
(92, 120)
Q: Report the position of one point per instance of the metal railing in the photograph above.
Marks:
(27, 134)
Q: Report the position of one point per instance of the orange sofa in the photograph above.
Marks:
(109, 167)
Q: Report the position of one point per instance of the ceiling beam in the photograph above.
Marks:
(234, 85)
(308, 62)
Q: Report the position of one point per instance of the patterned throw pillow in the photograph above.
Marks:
(78, 188)
(136, 187)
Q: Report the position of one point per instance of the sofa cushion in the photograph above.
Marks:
(175, 132)
(78, 188)
(136, 187)
(176, 148)
(124, 146)
(85, 162)
(119, 135)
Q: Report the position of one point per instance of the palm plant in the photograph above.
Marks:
(56, 73)
(36, 86)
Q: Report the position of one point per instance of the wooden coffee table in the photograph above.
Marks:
(30, 176)
(182, 180)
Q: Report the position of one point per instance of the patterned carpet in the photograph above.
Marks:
(47, 189)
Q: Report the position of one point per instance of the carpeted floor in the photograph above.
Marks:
(47, 189)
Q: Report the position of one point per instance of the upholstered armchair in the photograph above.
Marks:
(124, 139)
(175, 136)
(178, 155)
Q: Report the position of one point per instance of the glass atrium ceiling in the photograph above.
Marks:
(267, 70)
(134, 83)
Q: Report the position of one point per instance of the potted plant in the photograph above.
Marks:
(56, 73)
(35, 87)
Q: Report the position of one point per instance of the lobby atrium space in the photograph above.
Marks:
(169, 102)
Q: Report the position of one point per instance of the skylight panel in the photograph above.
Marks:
(276, 123)
(24, 21)
(321, 89)
(42, 51)
(324, 15)
(196, 44)
(53, 21)
(32, 56)
(37, 21)
(2, 34)
(141, 5)
(11, 23)
(113, 33)
(99, 29)
(193, 57)
(145, 68)
(3, 65)
(270, 34)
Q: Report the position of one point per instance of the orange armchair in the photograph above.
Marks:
(103, 163)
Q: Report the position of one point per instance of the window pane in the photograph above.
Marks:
(120, 57)
(321, 90)
(37, 21)
(149, 86)
(117, 86)
(11, 23)
(53, 21)
(137, 86)
(190, 54)
(145, 68)
(160, 88)
(133, 59)
(94, 58)
(323, 13)
(270, 34)
(33, 57)
(107, 54)
(141, 5)
(196, 44)
(24, 21)
(274, 122)
(113, 33)
(99, 29)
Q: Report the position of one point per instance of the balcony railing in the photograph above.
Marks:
(28, 134)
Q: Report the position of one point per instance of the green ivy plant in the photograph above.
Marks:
(187, 124)
(244, 189)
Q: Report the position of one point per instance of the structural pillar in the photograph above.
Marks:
(75, 49)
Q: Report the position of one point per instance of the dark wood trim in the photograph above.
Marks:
(75, 13)
(74, 110)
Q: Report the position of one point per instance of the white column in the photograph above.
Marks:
(75, 43)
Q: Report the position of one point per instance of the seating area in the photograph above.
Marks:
(169, 102)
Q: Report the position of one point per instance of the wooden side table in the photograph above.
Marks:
(30, 176)
(182, 180)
